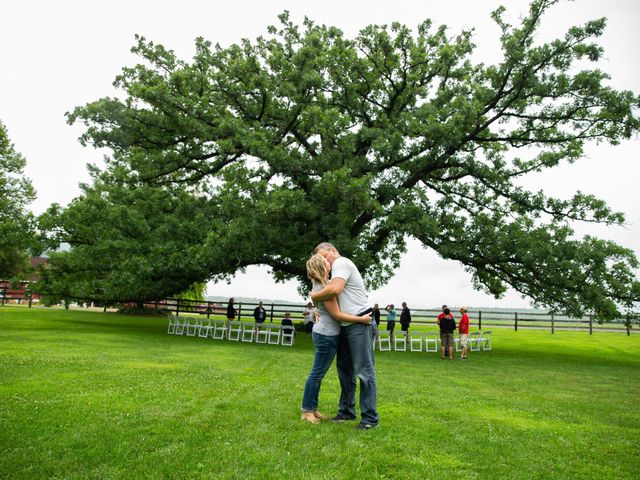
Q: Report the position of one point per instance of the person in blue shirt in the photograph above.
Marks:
(391, 319)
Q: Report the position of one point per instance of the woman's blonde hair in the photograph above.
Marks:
(315, 269)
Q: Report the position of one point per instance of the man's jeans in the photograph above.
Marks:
(325, 352)
(355, 359)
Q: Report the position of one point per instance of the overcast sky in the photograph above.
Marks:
(58, 55)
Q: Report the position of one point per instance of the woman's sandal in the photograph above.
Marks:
(310, 417)
(320, 416)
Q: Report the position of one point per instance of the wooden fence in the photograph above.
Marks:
(478, 318)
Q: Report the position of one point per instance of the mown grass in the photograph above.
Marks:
(88, 395)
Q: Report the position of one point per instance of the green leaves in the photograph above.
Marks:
(17, 224)
(304, 136)
(127, 244)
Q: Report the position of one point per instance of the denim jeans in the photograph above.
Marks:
(325, 352)
(355, 360)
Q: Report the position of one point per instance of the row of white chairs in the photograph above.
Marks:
(419, 341)
(268, 333)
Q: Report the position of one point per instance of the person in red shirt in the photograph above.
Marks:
(463, 330)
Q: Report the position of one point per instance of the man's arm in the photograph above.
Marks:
(333, 289)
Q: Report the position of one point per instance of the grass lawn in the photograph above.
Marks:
(96, 396)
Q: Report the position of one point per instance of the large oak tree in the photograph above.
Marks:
(304, 135)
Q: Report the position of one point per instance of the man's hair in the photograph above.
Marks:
(324, 246)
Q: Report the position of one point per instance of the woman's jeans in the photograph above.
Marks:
(325, 351)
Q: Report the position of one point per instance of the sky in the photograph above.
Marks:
(59, 55)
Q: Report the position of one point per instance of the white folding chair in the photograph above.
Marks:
(415, 341)
(457, 345)
(235, 329)
(219, 329)
(273, 335)
(193, 325)
(474, 341)
(262, 333)
(173, 322)
(485, 340)
(181, 325)
(205, 328)
(248, 331)
(431, 343)
(288, 336)
(384, 341)
(375, 340)
(400, 342)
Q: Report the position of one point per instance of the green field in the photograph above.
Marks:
(96, 396)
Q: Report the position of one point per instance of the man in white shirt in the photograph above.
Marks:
(355, 347)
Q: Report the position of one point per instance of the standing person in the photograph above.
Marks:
(375, 319)
(375, 315)
(405, 318)
(259, 314)
(355, 345)
(231, 311)
(391, 319)
(440, 317)
(309, 317)
(447, 327)
(463, 329)
(326, 334)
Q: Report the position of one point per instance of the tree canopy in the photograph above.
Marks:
(16, 222)
(304, 135)
(128, 244)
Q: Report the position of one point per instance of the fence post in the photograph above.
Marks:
(4, 293)
(30, 299)
(628, 322)
(553, 323)
(208, 309)
(178, 307)
(516, 323)
(239, 310)
(479, 320)
(271, 315)
(590, 324)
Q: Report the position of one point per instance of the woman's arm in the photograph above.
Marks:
(334, 310)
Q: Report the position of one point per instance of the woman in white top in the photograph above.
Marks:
(308, 317)
(326, 332)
